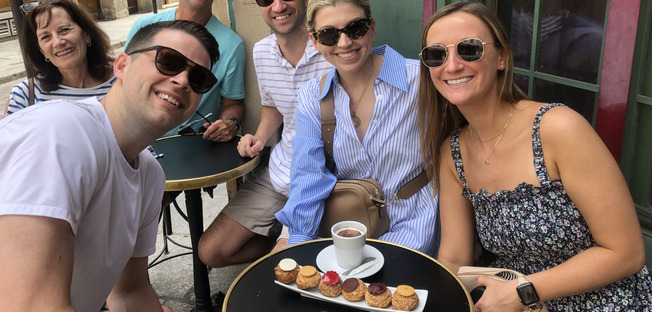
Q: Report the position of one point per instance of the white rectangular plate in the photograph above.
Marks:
(314, 293)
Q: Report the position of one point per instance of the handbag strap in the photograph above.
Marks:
(328, 124)
(30, 85)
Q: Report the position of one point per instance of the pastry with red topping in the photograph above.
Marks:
(378, 295)
(330, 284)
(404, 298)
(286, 271)
(308, 277)
(353, 289)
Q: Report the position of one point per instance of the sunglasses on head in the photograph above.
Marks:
(355, 30)
(29, 6)
(171, 62)
(266, 3)
(469, 50)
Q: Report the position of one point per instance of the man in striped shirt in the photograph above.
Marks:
(283, 61)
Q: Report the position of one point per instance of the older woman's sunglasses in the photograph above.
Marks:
(171, 62)
(469, 50)
(266, 3)
(355, 30)
(29, 6)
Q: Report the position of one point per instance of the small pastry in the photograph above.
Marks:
(286, 271)
(308, 277)
(330, 284)
(404, 298)
(353, 289)
(378, 295)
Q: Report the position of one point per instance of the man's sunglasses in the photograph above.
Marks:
(188, 130)
(171, 62)
(469, 50)
(29, 6)
(355, 30)
(266, 3)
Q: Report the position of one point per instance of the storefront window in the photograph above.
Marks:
(557, 46)
(582, 101)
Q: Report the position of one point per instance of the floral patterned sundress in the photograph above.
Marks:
(532, 229)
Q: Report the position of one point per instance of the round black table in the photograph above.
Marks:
(191, 163)
(255, 290)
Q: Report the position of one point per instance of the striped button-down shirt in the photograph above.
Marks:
(279, 83)
(389, 153)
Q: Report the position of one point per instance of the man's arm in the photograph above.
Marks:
(225, 129)
(133, 292)
(36, 261)
(270, 120)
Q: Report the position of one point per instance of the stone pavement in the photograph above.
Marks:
(172, 279)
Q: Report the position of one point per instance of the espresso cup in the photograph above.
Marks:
(349, 238)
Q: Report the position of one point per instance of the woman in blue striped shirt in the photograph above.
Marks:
(69, 52)
(375, 96)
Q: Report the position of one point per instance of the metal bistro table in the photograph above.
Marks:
(255, 290)
(191, 163)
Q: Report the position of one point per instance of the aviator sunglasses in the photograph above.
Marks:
(266, 3)
(469, 50)
(355, 30)
(171, 62)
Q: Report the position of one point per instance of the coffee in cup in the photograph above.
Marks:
(349, 232)
(349, 239)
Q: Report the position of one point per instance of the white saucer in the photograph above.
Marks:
(326, 261)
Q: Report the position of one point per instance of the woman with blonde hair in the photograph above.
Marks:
(376, 135)
(532, 180)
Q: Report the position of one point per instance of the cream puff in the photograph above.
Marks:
(378, 295)
(404, 298)
(286, 271)
(330, 284)
(353, 289)
(308, 277)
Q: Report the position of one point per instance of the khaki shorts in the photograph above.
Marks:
(255, 204)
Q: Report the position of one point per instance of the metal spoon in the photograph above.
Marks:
(365, 260)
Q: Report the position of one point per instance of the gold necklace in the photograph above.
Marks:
(493, 148)
(354, 118)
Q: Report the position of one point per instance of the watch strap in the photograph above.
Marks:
(235, 121)
(521, 280)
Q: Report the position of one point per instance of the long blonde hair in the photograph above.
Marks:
(437, 117)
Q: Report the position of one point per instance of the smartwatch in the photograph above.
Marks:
(235, 121)
(526, 292)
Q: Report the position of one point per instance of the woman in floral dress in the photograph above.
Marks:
(532, 180)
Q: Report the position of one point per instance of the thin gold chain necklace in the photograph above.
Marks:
(354, 118)
(493, 148)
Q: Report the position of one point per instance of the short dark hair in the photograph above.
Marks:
(144, 36)
(98, 55)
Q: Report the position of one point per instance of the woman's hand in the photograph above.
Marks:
(499, 296)
(220, 131)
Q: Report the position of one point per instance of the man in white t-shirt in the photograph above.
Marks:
(81, 195)
(283, 61)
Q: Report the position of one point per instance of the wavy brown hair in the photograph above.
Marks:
(98, 55)
(437, 117)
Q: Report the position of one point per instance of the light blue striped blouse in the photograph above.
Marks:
(389, 153)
